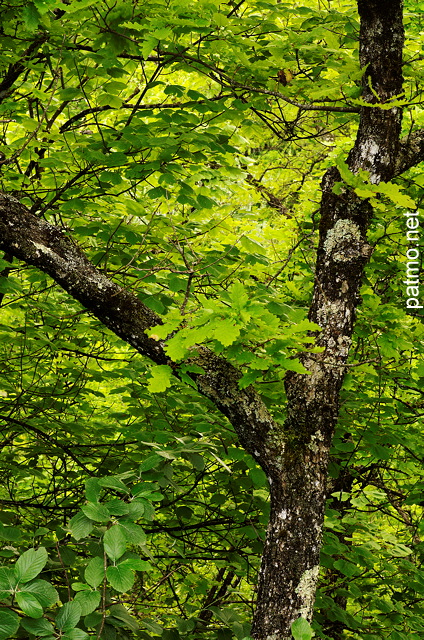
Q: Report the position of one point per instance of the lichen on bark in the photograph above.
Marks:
(306, 590)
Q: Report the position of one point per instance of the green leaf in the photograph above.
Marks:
(238, 295)
(68, 616)
(205, 203)
(196, 460)
(136, 509)
(174, 90)
(93, 619)
(347, 175)
(29, 604)
(30, 563)
(293, 365)
(395, 194)
(12, 534)
(252, 246)
(136, 564)
(44, 591)
(80, 586)
(113, 483)
(8, 581)
(88, 601)
(302, 630)
(132, 532)
(175, 348)
(228, 332)
(157, 192)
(44, 5)
(249, 377)
(150, 462)
(9, 623)
(115, 542)
(176, 284)
(150, 625)
(92, 489)
(117, 507)
(75, 634)
(94, 572)
(347, 568)
(96, 511)
(31, 17)
(119, 612)
(40, 627)
(259, 478)
(148, 45)
(120, 577)
(80, 526)
(160, 380)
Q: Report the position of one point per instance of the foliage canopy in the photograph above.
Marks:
(181, 145)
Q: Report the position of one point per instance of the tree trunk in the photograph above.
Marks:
(290, 563)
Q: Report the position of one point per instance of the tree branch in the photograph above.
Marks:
(46, 247)
(128, 105)
(47, 438)
(16, 68)
(411, 152)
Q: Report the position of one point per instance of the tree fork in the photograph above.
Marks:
(290, 562)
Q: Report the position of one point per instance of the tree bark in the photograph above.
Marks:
(290, 563)
(295, 455)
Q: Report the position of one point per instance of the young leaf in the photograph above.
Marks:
(228, 332)
(238, 295)
(393, 192)
(161, 378)
(302, 630)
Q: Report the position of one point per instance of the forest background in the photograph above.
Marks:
(182, 147)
